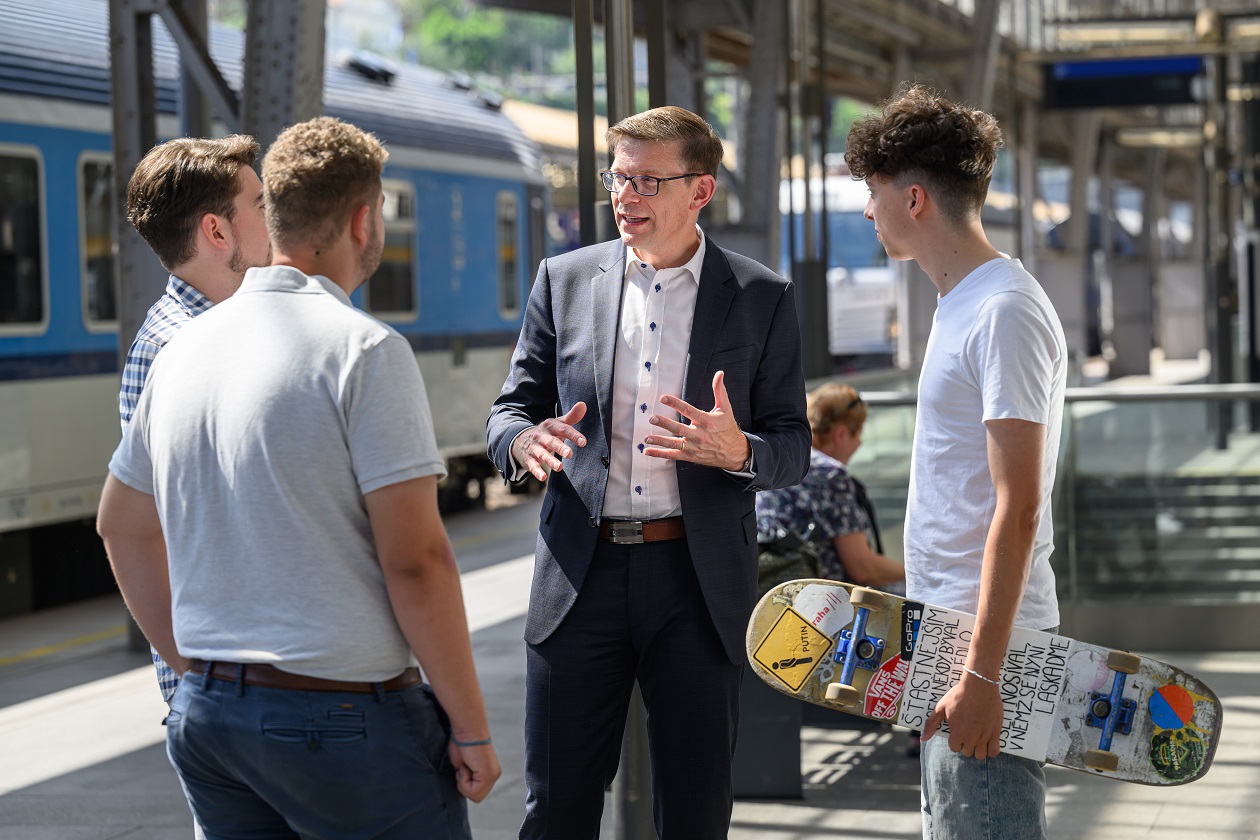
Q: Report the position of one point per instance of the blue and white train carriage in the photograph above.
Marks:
(465, 205)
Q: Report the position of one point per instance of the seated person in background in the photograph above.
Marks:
(830, 504)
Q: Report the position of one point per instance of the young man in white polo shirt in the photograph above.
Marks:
(284, 455)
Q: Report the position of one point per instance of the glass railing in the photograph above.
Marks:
(1157, 495)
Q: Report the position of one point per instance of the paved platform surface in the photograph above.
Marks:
(82, 758)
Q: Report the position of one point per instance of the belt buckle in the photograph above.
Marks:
(625, 532)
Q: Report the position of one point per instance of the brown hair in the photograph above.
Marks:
(701, 146)
(179, 182)
(832, 404)
(315, 175)
(921, 136)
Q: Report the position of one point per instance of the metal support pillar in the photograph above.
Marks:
(632, 787)
(982, 64)
(790, 112)
(1026, 182)
(1247, 283)
(284, 66)
(809, 273)
(761, 152)
(583, 38)
(619, 58)
(1154, 208)
(1129, 313)
(186, 21)
(1219, 289)
(902, 66)
(1102, 255)
(654, 24)
(141, 278)
(194, 107)
(822, 113)
(1087, 129)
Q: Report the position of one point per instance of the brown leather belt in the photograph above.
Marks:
(269, 676)
(634, 531)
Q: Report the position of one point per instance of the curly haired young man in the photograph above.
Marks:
(978, 533)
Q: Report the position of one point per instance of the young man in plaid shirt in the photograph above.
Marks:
(199, 205)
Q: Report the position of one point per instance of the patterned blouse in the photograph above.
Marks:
(826, 498)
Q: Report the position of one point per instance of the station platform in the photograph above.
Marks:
(82, 750)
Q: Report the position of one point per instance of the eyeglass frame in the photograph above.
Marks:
(607, 177)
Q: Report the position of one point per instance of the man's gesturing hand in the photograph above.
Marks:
(540, 448)
(713, 438)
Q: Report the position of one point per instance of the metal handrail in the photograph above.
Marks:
(1104, 393)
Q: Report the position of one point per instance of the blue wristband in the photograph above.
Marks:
(459, 743)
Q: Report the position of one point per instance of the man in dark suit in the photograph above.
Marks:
(675, 367)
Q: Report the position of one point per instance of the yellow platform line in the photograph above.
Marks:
(46, 650)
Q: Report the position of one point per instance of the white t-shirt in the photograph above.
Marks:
(996, 351)
(264, 423)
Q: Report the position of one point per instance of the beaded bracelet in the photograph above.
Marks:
(979, 676)
(482, 743)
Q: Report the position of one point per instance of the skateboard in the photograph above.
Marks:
(1077, 705)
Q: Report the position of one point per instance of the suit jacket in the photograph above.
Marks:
(746, 325)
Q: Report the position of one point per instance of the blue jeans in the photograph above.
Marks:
(1002, 798)
(276, 763)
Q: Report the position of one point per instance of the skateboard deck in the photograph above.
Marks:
(1065, 702)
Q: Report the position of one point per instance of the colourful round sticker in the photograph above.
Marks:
(1177, 754)
(1171, 707)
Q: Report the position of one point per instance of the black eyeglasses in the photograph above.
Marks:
(854, 404)
(645, 185)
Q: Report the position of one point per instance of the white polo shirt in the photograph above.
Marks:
(264, 423)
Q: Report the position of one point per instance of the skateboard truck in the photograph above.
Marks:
(1111, 713)
(856, 649)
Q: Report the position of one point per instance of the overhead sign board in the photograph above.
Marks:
(1123, 82)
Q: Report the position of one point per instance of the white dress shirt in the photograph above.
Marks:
(650, 361)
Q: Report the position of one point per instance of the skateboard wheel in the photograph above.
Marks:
(845, 695)
(1124, 662)
(869, 598)
(1102, 760)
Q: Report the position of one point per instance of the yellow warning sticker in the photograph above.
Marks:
(792, 649)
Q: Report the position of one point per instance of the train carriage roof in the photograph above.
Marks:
(60, 49)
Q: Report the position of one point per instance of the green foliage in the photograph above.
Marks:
(227, 12)
(720, 107)
(456, 35)
(844, 113)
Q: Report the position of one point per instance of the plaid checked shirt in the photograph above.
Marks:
(177, 307)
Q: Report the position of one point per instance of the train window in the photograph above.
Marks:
(96, 242)
(21, 241)
(509, 261)
(391, 293)
(537, 231)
